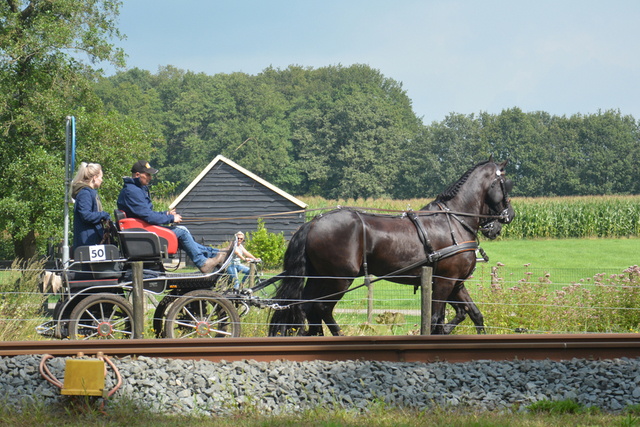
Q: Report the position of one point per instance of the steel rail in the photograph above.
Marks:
(456, 348)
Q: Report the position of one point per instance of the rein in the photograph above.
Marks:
(433, 257)
(502, 215)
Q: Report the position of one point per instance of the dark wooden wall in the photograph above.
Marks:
(227, 193)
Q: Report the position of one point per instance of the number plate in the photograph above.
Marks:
(97, 253)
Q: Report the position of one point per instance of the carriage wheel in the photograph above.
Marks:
(102, 316)
(158, 316)
(202, 314)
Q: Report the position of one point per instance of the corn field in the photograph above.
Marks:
(548, 217)
(565, 217)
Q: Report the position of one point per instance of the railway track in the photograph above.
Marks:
(456, 348)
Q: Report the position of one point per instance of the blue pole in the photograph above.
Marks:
(73, 144)
(69, 166)
(65, 241)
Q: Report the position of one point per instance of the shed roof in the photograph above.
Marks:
(221, 158)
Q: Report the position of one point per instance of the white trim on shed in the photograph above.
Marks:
(221, 158)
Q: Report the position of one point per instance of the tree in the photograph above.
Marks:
(518, 137)
(350, 128)
(42, 80)
(456, 142)
(608, 143)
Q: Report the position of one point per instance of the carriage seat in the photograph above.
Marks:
(86, 270)
(141, 240)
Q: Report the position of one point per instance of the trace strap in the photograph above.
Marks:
(367, 279)
(422, 232)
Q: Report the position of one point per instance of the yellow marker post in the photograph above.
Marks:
(84, 378)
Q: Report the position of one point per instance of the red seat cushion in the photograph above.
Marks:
(162, 232)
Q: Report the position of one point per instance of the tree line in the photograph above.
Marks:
(350, 132)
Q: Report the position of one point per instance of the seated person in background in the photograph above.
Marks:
(135, 202)
(87, 212)
(239, 255)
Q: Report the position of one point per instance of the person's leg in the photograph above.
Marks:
(187, 244)
(194, 250)
(245, 270)
(233, 272)
(208, 251)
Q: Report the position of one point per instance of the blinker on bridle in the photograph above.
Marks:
(504, 215)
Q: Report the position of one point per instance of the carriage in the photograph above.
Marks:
(96, 289)
(323, 258)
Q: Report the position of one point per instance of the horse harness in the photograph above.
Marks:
(432, 257)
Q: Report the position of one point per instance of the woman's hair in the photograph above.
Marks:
(87, 171)
(239, 233)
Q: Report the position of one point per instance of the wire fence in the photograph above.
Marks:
(512, 300)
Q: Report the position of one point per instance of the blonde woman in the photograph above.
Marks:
(87, 212)
(240, 254)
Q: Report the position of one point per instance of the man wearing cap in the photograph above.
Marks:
(135, 202)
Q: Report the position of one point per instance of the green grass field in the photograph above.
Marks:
(564, 253)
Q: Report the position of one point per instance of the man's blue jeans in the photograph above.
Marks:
(197, 252)
(233, 271)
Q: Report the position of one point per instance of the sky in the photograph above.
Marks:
(562, 57)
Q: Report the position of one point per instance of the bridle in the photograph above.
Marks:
(503, 216)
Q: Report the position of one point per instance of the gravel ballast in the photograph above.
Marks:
(201, 387)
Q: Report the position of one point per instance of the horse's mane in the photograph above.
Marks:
(454, 188)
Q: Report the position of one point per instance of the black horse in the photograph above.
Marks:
(334, 248)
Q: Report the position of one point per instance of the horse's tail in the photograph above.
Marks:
(296, 265)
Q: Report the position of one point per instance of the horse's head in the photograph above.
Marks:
(484, 186)
(497, 197)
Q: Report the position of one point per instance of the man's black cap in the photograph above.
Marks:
(143, 166)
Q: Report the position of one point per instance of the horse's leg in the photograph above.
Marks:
(314, 319)
(461, 301)
(459, 308)
(441, 290)
(312, 309)
(335, 288)
(331, 322)
(461, 315)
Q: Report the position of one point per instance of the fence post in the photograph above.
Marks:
(138, 299)
(425, 296)
(252, 274)
(369, 302)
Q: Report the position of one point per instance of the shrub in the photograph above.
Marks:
(602, 303)
(269, 247)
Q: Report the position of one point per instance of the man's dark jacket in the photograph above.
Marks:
(135, 202)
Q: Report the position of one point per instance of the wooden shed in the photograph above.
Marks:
(226, 198)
